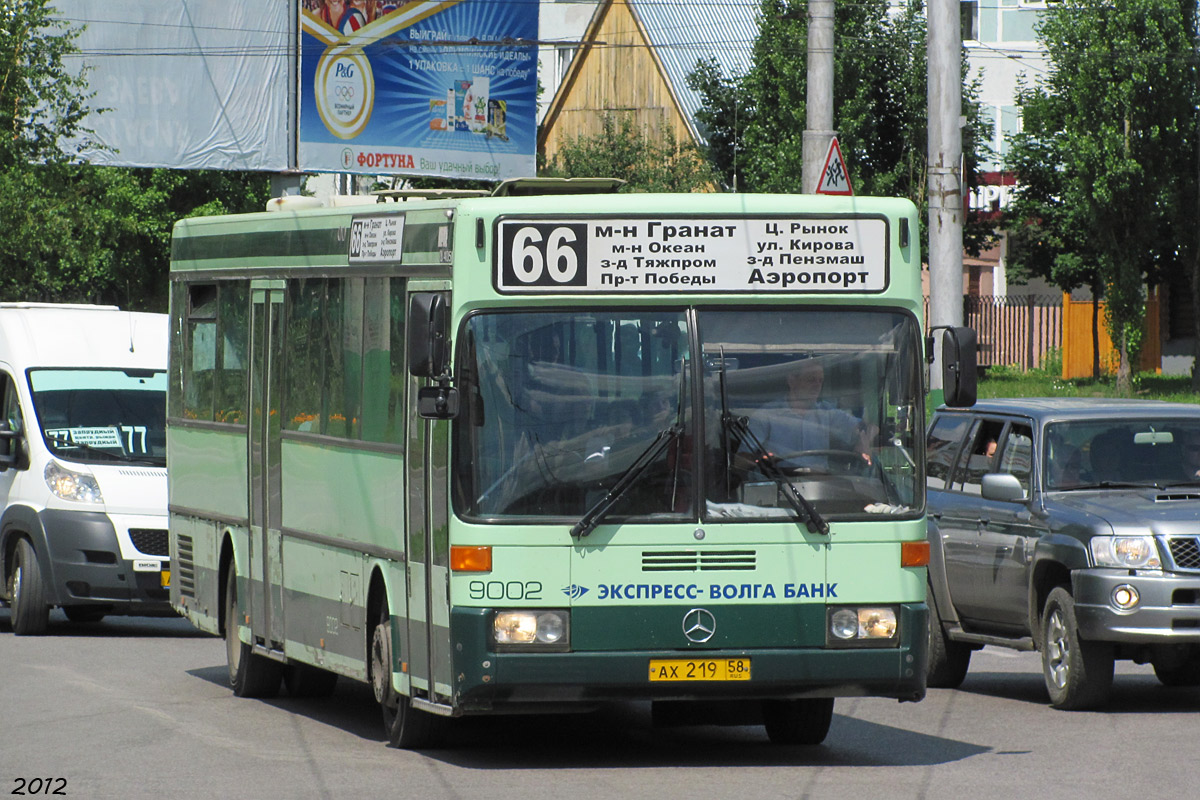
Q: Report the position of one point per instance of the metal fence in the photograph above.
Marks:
(1014, 331)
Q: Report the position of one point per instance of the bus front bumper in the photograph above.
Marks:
(486, 680)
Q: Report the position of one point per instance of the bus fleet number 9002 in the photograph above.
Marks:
(505, 590)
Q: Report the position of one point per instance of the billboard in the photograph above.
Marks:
(418, 88)
(188, 84)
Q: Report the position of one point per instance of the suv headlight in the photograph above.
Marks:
(1126, 552)
(71, 485)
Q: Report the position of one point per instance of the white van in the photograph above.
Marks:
(83, 477)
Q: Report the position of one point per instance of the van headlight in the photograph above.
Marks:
(533, 629)
(1125, 552)
(71, 485)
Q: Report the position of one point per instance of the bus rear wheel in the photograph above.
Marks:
(803, 722)
(250, 674)
(30, 613)
(407, 728)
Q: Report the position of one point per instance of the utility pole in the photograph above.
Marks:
(819, 97)
(945, 170)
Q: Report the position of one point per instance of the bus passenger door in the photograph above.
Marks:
(266, 569)
(427, 495)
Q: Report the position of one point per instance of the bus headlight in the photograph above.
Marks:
(71, 485)
(868, 626)
(1125, 552)
(532, 629)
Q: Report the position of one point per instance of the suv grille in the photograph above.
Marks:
(150, 541)
(1185, 551)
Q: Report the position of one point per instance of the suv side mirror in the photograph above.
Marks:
(959, 365)
(1002, 486)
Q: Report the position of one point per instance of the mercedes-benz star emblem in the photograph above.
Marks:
(699, 625)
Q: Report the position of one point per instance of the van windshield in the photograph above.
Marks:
(102, 415)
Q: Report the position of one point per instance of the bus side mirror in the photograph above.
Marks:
(959, 367)
(437, 402)
(428, 336)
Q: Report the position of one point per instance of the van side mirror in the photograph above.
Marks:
(959, 364)
(10, 444)
(428, 336)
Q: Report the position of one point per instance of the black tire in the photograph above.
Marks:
(1078, 673)
(406, 727)
(30, 611)
(948, 660)
(1184, 673)
(303, 680)
(250, 675)
(798, 722)
(84, 613)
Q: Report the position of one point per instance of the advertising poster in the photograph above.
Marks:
(418, 88)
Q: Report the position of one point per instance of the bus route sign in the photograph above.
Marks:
(804, 255)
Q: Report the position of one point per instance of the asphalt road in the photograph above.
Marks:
(139, 707)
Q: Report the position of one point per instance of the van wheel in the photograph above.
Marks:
(250, 674)
(1078, 673)
(30, 613)
(803, 722)
(948, 660)
(407, 728)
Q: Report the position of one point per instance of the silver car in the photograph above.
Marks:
(1068, 526)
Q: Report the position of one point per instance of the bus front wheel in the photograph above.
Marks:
(250, 674)
(407, 728)
(804, 722)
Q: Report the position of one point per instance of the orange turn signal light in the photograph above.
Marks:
(470, 559)
(914, 554)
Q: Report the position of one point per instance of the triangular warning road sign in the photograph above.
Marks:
(835, 178)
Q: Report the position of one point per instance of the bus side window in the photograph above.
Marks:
(200, 351)
(231, 389)
(383, 360)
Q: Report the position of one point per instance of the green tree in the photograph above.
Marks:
(1112, 124)
(75, 232)
(754, 123)
(41, 101)
(650, 161)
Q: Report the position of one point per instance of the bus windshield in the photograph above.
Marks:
(102, 415)
(559, 405)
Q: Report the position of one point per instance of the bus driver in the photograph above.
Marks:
(801, 430)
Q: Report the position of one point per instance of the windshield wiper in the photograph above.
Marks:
(87, 448)
(804, 509)
(740, 426)
(597, 512)
(665, 437)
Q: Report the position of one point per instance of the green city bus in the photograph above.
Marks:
(543, 448)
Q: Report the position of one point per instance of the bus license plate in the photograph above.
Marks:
(700, 669)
